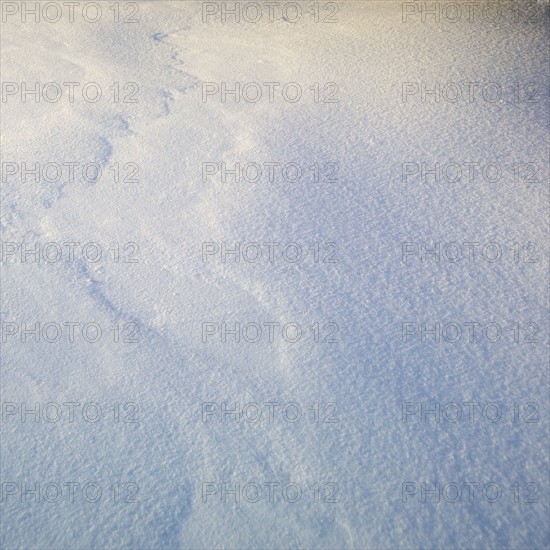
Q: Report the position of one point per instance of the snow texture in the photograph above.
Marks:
(170, 292)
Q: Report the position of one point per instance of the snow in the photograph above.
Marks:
(170, 292)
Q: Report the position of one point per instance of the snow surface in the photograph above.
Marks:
(170, 292)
